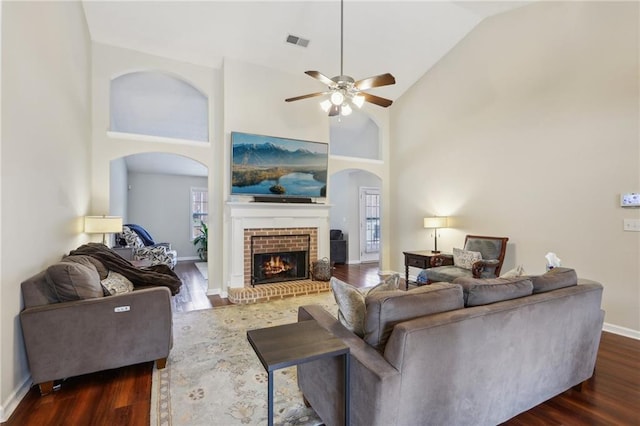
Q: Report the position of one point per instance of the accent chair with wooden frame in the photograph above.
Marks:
(492, 250)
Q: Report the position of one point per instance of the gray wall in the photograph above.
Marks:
(161, 204)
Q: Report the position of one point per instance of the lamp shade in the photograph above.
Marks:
(436, 222)
(102, 224)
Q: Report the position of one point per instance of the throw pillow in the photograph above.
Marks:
(351, 301)
(483, 291)
(515, 272)
(554, 279)
(464, 258)
(116, 283)
(73, 281)
(386, 309)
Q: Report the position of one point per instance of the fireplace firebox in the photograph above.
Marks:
(280, 266)
(276, 258)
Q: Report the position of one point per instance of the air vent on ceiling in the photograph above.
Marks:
(298, 41)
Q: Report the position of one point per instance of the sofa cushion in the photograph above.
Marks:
(554, 279)
(351, 301)
(386, 309)
(74, 281)
(464, 258)
(482, 291)
(116, 283)
(89, 261)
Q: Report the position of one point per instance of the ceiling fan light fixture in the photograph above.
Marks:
(346, 109)
(358, 100)
(326, 105)
(337, 98)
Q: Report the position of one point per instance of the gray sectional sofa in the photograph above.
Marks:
(480, 362)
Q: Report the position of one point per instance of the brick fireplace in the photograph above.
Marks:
(273, 227)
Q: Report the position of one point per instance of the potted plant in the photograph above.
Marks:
(201, 241)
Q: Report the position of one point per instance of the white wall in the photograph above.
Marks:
(529, 129)
(161, 204)
(109, 62)
(118, 189)
(45, 159)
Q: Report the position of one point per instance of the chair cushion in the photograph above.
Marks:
(446, 273)
(74, 281)
(554, 279)
(386, 309)
(351, 301)
(465, 258)
(489, 248)
(482, 291)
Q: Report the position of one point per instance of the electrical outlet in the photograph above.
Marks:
(122, 308)
(632, 225)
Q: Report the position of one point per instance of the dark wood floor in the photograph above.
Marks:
(122, 396)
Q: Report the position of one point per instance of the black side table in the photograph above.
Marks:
(292, 344)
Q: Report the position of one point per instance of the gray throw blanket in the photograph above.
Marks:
(151, 276)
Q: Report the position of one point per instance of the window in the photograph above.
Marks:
(199, 210)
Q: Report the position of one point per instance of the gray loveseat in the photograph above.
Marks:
(474, 365)
(72, 326)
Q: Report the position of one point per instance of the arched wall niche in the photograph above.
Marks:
(356, 136)
(157, 103)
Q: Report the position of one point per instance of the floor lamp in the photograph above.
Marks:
(102, 225)
(435, 223)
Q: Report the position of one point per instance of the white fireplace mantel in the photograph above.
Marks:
(243, 215)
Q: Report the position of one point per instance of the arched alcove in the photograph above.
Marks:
(344, 194)
(158, 104)
(154, 190)
(355, 135)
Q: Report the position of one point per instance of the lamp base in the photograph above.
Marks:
(435, 251)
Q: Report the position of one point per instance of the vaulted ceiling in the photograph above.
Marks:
(405, 38)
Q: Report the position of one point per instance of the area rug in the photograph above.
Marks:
(202, 268)
(213, 376)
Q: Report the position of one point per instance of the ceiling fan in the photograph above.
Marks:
(344, 90)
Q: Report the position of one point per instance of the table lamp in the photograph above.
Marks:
(102, 225)
(435, 223)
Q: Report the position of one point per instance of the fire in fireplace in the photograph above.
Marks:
(281, 266)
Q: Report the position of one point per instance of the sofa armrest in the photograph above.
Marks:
(321, 380)
(480, 265)
(72, 338)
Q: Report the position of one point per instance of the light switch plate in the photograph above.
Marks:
(632, 225)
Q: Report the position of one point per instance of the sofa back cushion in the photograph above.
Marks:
(386, 309)
(482, 291)
(554, 279)
(36, 291)
(73, 281)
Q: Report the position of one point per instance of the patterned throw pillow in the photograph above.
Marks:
(465, 259)
(351, 301)
(117, 283)
(518, 271)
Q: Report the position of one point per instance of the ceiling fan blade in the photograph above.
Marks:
(310, 95)
(319, 76)
(377, 81)
(335, 110)
(377, 100)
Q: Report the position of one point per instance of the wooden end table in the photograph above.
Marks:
(292, 344)
(424, 259)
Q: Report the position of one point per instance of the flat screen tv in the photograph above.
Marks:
(277, 168)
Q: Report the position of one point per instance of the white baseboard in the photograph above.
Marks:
(7, 408)
(188, 258)
(353, 262)
(622, 331)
